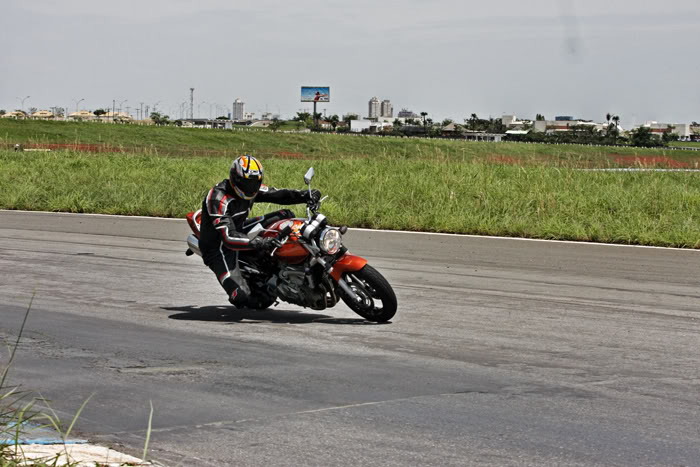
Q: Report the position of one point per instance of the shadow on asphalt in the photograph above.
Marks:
(228, 314)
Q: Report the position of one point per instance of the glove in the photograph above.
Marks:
(265, 243)
(314, 196)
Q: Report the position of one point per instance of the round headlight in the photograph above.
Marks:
(330, 241)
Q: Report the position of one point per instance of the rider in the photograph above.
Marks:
(223, 224)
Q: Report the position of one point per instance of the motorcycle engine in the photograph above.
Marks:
(294, 287)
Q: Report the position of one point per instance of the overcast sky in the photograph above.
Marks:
(451, 58)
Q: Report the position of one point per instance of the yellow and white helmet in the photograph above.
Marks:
(246, 176)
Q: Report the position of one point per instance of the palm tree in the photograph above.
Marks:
(334, 120)
(423, 114)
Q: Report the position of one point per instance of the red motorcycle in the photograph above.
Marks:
(312, 268)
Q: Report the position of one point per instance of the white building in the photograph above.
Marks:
(553, 126)
(682, 130)
(358, 126)
(374, 108)
(238, 110)
(511, 121)
(387, 109)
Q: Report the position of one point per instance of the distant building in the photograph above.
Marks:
(371, 126)
(554, 126)
(81, 115)
(43, 115)
(387, 110)
(374, 108)
(512, 122)
(17, 114)
(405, 113)
(238, 111)
(682, 130)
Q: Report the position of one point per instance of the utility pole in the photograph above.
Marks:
(191, 103)
(141, 110)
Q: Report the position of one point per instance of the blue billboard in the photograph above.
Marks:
(315, 94)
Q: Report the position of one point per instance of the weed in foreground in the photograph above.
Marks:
(19, 410)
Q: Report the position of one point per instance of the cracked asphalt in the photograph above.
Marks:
(503, 352)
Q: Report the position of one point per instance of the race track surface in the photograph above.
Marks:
(503, 352)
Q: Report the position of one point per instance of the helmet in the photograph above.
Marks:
(246, 176)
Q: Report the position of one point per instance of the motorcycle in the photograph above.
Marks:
(310, 267)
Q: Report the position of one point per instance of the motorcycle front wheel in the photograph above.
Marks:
(378, 302)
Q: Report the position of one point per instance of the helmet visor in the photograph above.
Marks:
(249, 187)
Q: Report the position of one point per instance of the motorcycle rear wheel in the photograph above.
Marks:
(372, 287)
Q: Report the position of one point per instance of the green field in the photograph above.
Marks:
(535, 191)
(173, 141)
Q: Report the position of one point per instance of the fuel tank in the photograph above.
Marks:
(291, 252)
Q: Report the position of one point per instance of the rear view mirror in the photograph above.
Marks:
(309, 175)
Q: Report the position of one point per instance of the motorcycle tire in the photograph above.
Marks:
(371, 286)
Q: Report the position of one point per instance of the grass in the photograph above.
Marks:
(437, 194)
(181, 142)
(687, 144)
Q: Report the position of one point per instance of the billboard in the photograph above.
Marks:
(315, 94)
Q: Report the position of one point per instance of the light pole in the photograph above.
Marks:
(121, 103)
(199, 113)
(77, 104)
(22, 99)
(155, 106)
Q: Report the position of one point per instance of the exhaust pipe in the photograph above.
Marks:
(193, 244)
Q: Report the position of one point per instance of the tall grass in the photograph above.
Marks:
(427, 194)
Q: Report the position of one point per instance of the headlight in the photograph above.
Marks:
(330, 241)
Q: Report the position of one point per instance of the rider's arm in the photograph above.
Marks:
(268, 194)
(217, 206)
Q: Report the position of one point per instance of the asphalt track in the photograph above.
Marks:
(503, 352)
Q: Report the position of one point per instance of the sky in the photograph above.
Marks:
(634, 58)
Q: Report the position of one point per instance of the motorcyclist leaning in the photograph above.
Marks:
(225, 222)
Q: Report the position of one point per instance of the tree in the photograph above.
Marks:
(447, 121)
(397, 123)
(424, 114)
(616, 119)
(99, 112)
(304, 118)
(668, 135)
(608, 117)
(276, 124)
(159, 119)
(333, 120)
(473, 121)
(2, 112)
(32, 110)
(643, 137)
(540, 118)
(348, 118)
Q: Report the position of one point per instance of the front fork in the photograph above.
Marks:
(347, 263)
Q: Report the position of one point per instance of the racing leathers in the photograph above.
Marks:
(223, 226)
